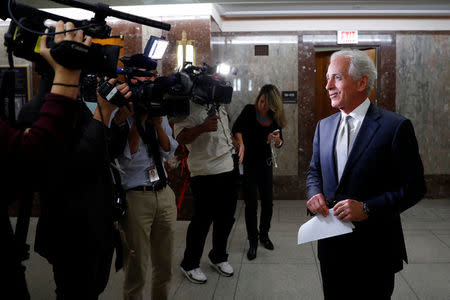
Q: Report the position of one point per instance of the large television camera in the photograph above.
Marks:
(209, 86)
(155, 96)
(170, 95)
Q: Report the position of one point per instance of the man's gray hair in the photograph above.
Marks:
(360, 64)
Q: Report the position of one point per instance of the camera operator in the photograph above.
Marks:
(75, 231)
(213, 184)
(50, 134)
(148, 227)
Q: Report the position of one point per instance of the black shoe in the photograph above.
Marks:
(251, 254)
(267, 243)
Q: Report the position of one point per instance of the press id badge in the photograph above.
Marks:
(153, 174)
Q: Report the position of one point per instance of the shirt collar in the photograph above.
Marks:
(360, 112)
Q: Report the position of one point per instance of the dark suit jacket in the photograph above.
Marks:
(76, 193)
(385, 170)
(50, 134)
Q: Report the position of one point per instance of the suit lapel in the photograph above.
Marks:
(328, 144)
(367, 131)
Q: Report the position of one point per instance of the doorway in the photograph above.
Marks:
(322, 60)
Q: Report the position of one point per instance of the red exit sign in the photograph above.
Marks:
(347, 37)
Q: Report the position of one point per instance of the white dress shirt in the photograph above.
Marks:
(357, 117)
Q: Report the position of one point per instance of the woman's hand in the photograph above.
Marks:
(241, 152)
(239, 145)
(274, 136)
(64, 75)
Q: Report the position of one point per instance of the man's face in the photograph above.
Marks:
(341, 87)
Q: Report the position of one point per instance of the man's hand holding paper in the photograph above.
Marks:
(321, 227)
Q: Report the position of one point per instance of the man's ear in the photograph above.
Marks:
(363, 82)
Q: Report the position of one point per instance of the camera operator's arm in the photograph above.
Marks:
(124, 112)
(188, 135)
(106, 109)
(66, 81)
(163, 139)
(101, 137)
(52, 131)
(170, 144)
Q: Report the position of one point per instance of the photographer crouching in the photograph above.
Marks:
(149, 224)
(51, 133)
(75, 230)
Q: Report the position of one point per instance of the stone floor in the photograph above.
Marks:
(290, 271)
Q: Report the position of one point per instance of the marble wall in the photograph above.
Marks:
(278, 68)
(414, 71)
(423, 94)
(198, 29)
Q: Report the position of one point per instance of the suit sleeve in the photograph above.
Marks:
(314, 174)
(407, 171)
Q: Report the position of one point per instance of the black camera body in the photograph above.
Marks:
(162, 97)
(209, 87)
(171, 95)
(111, 94)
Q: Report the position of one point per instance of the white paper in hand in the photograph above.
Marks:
(321, 227)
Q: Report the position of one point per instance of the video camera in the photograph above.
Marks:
(204, 85)
(155, 96)
(28, 24)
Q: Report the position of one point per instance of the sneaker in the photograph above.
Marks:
(224, 268)
(195, 275)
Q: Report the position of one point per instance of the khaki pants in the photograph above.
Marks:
(147, 232)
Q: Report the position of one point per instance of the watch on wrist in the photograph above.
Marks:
(366, 208)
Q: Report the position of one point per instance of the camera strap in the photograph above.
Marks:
(149, 137)
(117, 192)
(8, 90)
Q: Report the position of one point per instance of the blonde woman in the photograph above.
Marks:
(257, 126)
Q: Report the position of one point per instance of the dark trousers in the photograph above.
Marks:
(214, 198)
(81, 276)
(341, 280)
(258, 179)
(13, 284)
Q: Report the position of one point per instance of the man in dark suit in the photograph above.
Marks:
(366, 166)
